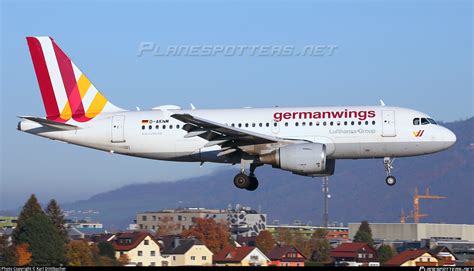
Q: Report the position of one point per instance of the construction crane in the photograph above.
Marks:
(416, 206)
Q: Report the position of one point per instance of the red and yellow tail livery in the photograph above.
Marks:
(67, 93)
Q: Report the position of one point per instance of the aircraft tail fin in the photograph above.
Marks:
(67, 93)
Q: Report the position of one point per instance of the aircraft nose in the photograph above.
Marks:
(449, 138)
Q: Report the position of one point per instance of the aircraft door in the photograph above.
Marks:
(388, 123)
(118, 123)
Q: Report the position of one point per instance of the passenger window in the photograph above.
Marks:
(275, 124)
(317, 123)
(240, 125)
(177, 126)
(246, 125)
(345, 123)
(149, 127)
(324, 123)
(366, 122)
(233, 125)
(268, 124)
(310, 123)
(143, 127)
(157, 126)
(360, 122)
(338, 123)
(286, 124)
(331, 123)
(373, 122)
(260, 124)
(424, 121)
(164, 126)
(352, 122)
(416, 121)
(253, 124)
(296, 124)
(171, 126)
(303, 124)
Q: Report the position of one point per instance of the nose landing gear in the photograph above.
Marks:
(387, 162)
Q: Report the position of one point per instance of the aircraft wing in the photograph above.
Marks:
(227, 137)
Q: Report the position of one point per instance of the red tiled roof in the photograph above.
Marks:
(279, 251)
(232, 254)
(135, 239)
(405, 256)
(349, 250)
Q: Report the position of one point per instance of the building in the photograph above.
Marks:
(140, 247)
(417, 231)
(285, 255)
(418, 257)
(445, 256)
(84, 233)
(185, 252)
(241, 256)
(83, 224)
(354, 254)
(335, 234)
(8, 222)
(243, 221)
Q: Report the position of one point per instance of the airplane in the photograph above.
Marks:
(303, 140)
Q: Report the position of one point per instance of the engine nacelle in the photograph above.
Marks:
(304, 159)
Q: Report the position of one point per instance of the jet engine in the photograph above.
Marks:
(308, 159)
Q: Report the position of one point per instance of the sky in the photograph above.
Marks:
(415, 54)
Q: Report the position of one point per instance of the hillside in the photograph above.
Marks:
(358, 190)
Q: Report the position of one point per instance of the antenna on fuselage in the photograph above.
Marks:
(382, 103)
(192, 106)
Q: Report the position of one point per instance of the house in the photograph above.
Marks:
(354, 254)
(241, 256)
(285, 255)
(185, 252)
(140, 247)
(413, 257)
(445, 256)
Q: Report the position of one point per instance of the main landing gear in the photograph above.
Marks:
(387, 162)
(248, 182)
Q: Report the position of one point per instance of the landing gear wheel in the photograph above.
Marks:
(253, 184)
(242, 181)
(390, 180)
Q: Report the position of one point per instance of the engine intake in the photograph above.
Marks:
(303, 159)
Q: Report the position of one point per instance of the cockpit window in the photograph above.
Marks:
(432, 121)
(424, 121)
(416, 121)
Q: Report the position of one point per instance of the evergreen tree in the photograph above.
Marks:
(106, 249)
(44, 241)
(385, 253)
(364, 234)
(54, 212)
(320, 246)
(31, 208)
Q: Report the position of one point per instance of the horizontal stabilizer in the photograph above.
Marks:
(51, 123)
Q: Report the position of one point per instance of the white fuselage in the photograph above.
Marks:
(381, 131)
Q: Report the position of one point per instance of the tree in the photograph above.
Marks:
(364, 234)
(265, 241)
(54, 212)
(106, 249)
(31, 208)
(23, 254)
(7, 252)
(212, 234)
(284, 236)
(43, 239)
(320, 247)
(123, 260)
(385, 253)
(79, 253)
